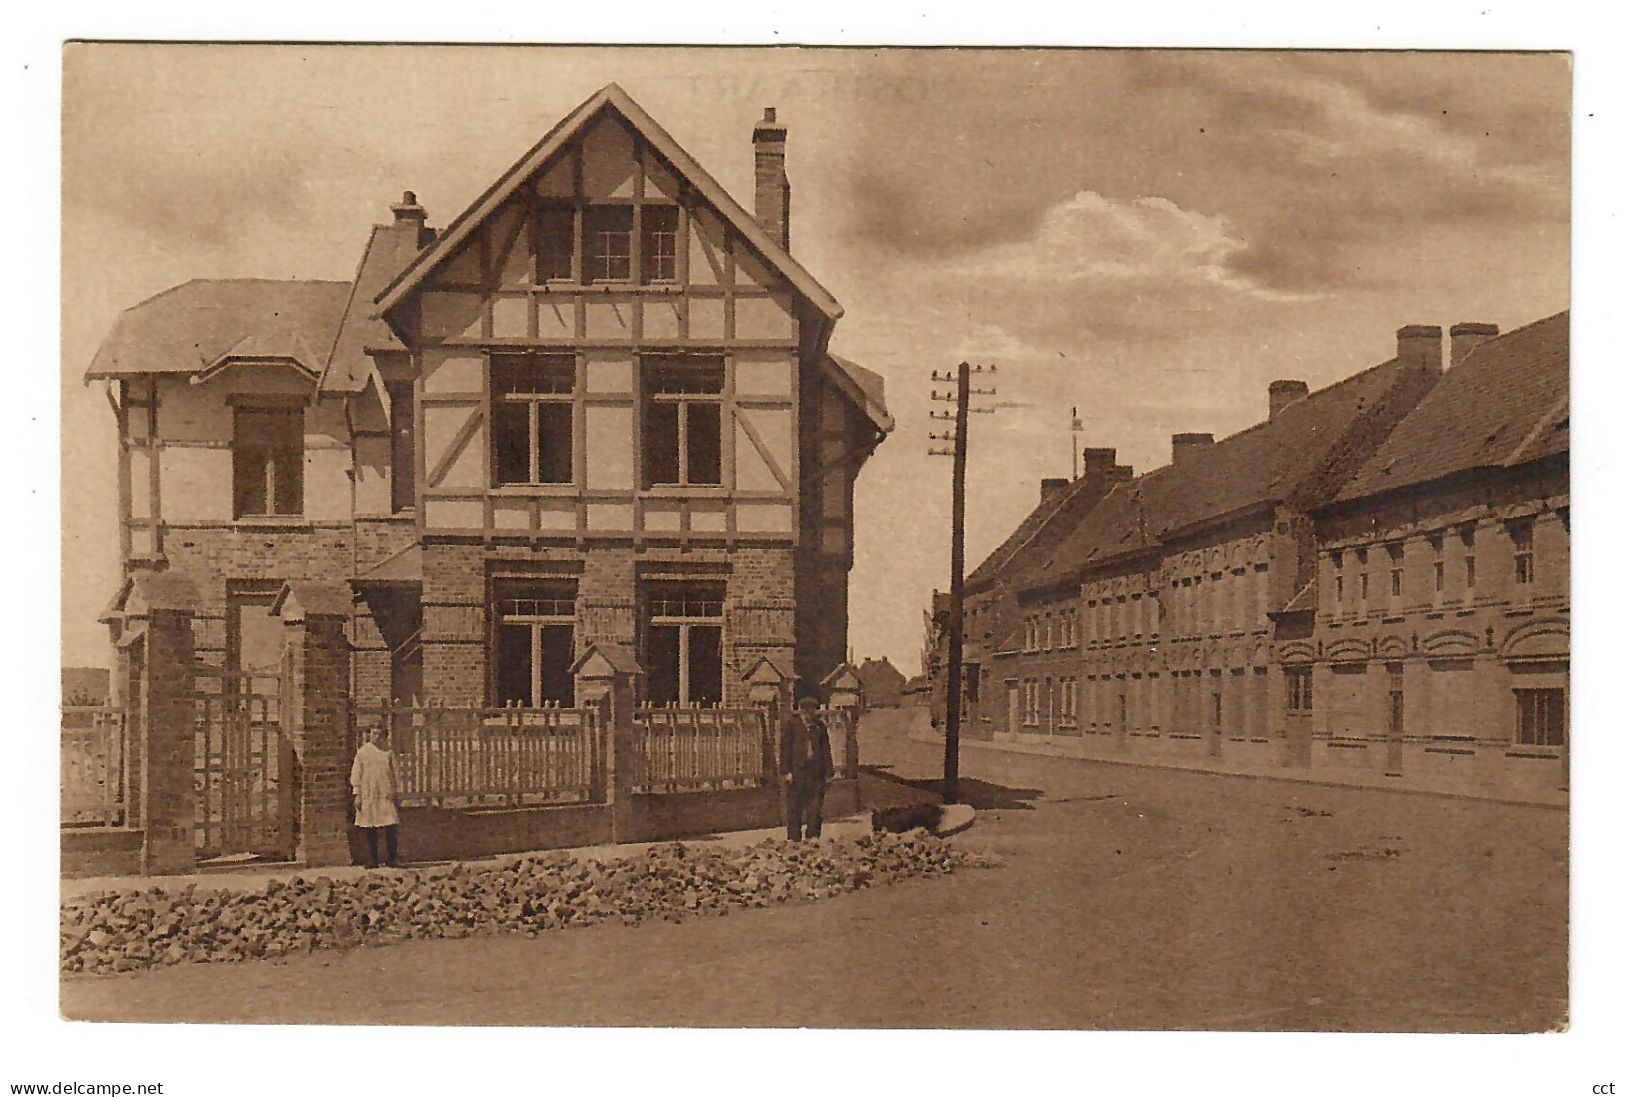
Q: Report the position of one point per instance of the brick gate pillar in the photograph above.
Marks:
(606, 676)
(316, 715)
(160, 606)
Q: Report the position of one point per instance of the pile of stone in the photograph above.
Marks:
(132, 930)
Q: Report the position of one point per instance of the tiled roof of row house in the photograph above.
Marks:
(1504, 404)
(1283, 459)
(1040, 515)
(202, 323)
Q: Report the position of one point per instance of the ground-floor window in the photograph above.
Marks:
(1300, 695)
(682, 641)
(1540, 717)
(534, 641)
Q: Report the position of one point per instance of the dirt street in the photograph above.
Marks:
(1131, 898)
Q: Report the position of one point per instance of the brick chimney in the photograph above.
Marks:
(1049, 485)
(772, 185)
(407, 212)
(1285, 393)
(1464, 337)
(1421, 345)
(1098, 461)
(1188, 444)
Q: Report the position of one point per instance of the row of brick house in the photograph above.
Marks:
(1372, 582)
(599, 405)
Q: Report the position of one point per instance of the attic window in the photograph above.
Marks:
(607, 238)
(555, 244)
(659, 243)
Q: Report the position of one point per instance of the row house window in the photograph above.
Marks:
(1436, 546)
(1396, 571)
(1069, 700)
(1523, 551)
(681, 624)
(1029, 701)
(1469, 561)
(1300, 696)
(1540, 717)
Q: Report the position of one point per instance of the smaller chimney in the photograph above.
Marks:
(1187, 444)
(408, 212)
(1421, 346)
(772, 185)
(1285, 393)
(1120, 474)
(1098, 461)
(1464, 337)
(1049, 485)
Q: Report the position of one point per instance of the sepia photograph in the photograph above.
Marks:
(834, 538)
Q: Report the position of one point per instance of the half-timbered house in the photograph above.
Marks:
(599, 405)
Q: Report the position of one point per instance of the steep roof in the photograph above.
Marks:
(389, 249)
(1270, 462)
(1505, 404)
(202, 323)
(996, 560)
(611, 97)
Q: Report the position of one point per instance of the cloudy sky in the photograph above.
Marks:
(1149, 236)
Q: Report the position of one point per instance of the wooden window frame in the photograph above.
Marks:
(685, 622)
(532, 402)
(546, 612)
(268, 452)
(592, 235)
(649, 366)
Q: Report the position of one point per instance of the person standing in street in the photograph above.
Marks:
(805, 766)
(372, 779)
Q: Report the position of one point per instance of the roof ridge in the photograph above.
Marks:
(612, 97)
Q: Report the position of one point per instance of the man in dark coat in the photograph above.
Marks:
(806, 768)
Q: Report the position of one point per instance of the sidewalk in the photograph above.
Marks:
(920, 732)
(254, 876)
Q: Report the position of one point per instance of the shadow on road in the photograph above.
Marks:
(981, 795)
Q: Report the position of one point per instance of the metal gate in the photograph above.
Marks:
(243, 771)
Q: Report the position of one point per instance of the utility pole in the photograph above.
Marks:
(956, 597)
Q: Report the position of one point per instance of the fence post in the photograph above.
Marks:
(606, 677)
(316, 720)
(168, 752)
(772, 691)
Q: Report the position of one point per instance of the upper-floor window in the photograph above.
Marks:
(533, 408)
(607, 243)
(1396, 570)
(268, 462)
(402, 458)
(1523, 550)
(682, 422)
(659, 241)
(1436, 543)
(555, 244)
(1469, 560)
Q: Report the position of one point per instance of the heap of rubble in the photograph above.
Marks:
(132, 930)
